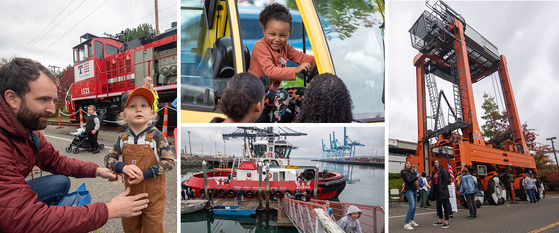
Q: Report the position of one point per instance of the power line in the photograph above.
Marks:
(72, 28)
(31, 43)
(150, 15)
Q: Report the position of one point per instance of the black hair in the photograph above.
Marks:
(17, 73)
(275, 11)
(326, 100)
(242, 92)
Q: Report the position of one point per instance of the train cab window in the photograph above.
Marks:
(89, 51)
(99, 50)
(81, 54)
(111, 50)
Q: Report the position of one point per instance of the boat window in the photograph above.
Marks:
(356, 43)
(281, 151)
(281, 176)
(259, 150)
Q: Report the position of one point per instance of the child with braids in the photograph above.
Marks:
(269, 58)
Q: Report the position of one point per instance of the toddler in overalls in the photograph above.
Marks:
(146, 157)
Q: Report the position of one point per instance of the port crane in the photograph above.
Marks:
(451, 50)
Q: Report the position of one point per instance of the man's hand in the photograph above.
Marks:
(93, 131)
(106, 174)
(137, 180)
(123, 206)
(132, 171)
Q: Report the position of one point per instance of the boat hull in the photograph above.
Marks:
(220, 186)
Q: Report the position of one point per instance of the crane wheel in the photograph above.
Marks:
(496, 193)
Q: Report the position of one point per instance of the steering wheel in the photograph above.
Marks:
(310, 74)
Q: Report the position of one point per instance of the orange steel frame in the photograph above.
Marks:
(470, 148)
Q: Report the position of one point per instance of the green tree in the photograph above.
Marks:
(135, 33)
(496, 126)
(66, 78)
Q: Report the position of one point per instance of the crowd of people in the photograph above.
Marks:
(435, 188)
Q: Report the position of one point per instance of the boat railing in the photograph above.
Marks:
(304, 218)
(372, 216)
(301, 214)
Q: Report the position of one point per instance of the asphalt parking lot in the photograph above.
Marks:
(100, 189)
(521, 217)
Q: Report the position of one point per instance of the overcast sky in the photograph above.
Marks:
(525, 32)
(33, 30)
(309, 146)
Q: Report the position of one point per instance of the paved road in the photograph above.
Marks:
(521, 217)
(103, 191)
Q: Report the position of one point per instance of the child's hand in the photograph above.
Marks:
(132, 171)
(136, 180)
(303, 67)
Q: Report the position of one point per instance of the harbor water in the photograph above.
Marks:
(365, 185)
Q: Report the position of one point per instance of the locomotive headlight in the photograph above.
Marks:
(173, 69)
(165, 71)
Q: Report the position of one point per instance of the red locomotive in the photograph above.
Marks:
(105, 69)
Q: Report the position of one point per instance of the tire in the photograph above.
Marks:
(68, 149)
(249, 193)
(231, 193)
(496, 193)
(76, 150)
(541, 189)
(101, 146)
(278, 193)
(212, 192)
(288, 191)
(201, 191)
(221, 192)
(480, 200)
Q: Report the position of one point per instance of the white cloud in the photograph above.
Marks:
(23, 21)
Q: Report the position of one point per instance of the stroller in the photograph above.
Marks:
(80, 141)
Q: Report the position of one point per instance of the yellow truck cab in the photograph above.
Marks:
(345, 39)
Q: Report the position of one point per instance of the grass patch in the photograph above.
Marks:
(298, 82)
(55, 118)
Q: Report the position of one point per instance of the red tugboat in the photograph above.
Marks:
(283, 177)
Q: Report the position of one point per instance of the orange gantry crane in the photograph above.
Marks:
(449, 49)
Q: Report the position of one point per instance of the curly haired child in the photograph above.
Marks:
(146, 157)
(269, 58)
(327, 100)
(242, 100)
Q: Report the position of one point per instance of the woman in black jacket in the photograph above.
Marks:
(411, 194)
(440, 194)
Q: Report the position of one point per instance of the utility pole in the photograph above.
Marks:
(156, 18)
(189, 144)
(553, 146)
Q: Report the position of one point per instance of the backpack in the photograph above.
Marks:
(420, 182)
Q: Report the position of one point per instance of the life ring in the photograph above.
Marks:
(270, 154)
(270, 174)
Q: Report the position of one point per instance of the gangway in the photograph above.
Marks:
(304, 217)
